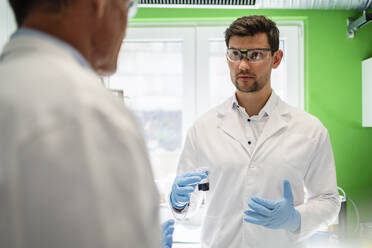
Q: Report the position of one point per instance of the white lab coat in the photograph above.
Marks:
(294, 145)
(74, 169)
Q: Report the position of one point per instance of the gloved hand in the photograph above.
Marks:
(275, 214)
(168, 228)
(183, 186)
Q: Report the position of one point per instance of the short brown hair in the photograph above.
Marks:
(22, 8)
(251, 25)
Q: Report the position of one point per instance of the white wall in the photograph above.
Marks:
(7, 22)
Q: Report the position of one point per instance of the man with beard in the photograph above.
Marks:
(260, 154)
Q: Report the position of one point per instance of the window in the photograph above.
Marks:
(172, 75)
(7, 23)
(155, 75)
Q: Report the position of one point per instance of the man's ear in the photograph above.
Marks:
(99, 7)
(277, 58)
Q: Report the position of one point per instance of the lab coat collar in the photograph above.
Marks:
(27, 39)
(278, 120)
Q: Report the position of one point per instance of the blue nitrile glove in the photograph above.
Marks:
(275, 214)
(168, 228)
(183, 186)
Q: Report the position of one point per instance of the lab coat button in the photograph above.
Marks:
(249, 142)
(248, 120)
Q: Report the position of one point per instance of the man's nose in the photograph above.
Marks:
(244, 64)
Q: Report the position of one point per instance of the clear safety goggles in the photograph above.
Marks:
(132, 9)
(253, 55)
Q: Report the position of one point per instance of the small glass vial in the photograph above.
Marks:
(204, 185)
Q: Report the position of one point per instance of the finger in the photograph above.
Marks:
(180, 190)
(255, 215)
(167, 224)
(202, 174)
(270, 204)
(288, 191)
(205, 173)
(171, 221)
(254, 221)
(168, 240)
(184, 181)
(166, 245)
(183, 198)
(168, 231)
(259, 208)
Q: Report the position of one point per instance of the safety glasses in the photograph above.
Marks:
(253, 55)
(132, 8)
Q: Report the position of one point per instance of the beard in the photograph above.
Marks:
(256, 86)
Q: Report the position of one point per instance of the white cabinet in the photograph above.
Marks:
(367, 93)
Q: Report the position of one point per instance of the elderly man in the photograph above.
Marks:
(74, 168)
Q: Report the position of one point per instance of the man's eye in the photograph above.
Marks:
(235, 53)
(255, 55)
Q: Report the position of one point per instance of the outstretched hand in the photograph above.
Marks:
(273, 214)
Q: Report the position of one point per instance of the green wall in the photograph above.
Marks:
(332, 85)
